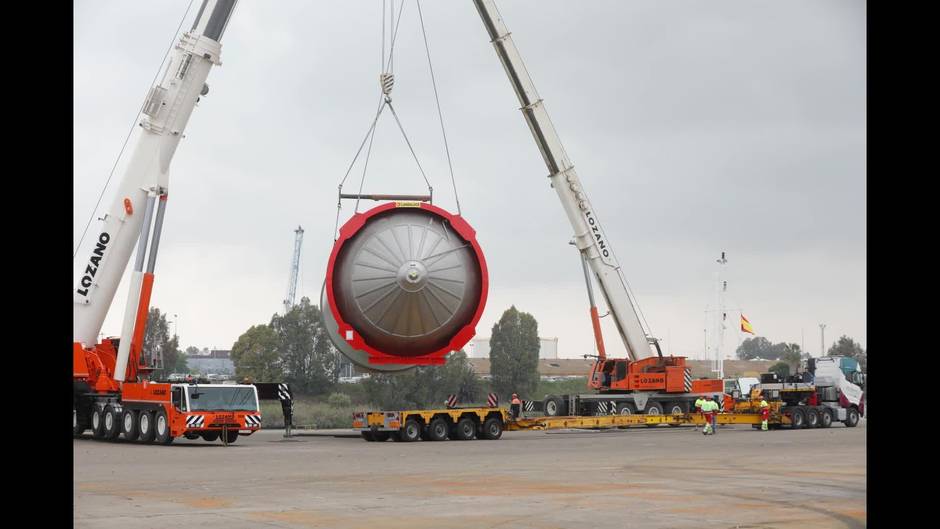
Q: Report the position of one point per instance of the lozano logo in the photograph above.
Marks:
(598, 236)
(96, 256)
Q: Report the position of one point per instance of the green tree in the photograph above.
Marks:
(782, 369)
(426, 386)
(514, 354)
(311, 363)
(158, 344)
(757, 347)
(846, 346)
(255, 355)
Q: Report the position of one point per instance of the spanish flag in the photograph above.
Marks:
(746, 325)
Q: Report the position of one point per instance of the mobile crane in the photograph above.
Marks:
(646, 381)
(112, 391)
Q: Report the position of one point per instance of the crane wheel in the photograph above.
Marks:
(677, 408)
(161, 428)
(231, 437)
(112, 423)
(851, 418)
(654, 408)
(812, 418)
(466, 429)
(209, 436)
(553, 406)
(145, 427)
(97, 423)
(492, 428)
(825, 417)
(437, 430)
(78, 423)
(129, 425)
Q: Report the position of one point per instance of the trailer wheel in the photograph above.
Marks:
(825, 417)
(209, 436)
(411, 431)
(112, 423)
(653, 408)
(492, 428)
(161, 428)
(145, 424)
(812, 418)
(381, 437)
(367, 436)
(129, 426)
(553, 406)
(438, 429)
(851, 418)
(797, 417)
(466, 429)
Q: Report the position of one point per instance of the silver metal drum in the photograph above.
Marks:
(407, 282)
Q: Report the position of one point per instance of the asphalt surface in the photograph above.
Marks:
(639, 478)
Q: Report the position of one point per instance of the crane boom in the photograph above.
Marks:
(589, 236)
(142, 192)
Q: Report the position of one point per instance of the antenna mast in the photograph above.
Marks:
(294, 270)
(722, 317)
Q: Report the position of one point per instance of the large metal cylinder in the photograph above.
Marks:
(406, 285)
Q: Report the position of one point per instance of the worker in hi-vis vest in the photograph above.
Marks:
(710, 410)
(515, 406)
(764, 413)
(698, 404)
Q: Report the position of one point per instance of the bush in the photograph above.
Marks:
(782, 369)
(339, 400)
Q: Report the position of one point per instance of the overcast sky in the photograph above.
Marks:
(696, 128)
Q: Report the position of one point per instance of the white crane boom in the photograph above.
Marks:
(589, 236)
(143, 187)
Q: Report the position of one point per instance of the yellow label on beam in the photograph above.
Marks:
(407, 204)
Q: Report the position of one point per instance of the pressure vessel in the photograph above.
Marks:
(406, 284)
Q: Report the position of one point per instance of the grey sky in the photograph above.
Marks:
(696, 127)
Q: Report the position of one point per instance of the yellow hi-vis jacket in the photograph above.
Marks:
(763, 404)
(699, 401)
(710, 405)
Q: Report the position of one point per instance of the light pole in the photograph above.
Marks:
(822, 339)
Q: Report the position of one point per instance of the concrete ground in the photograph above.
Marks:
(639, 478)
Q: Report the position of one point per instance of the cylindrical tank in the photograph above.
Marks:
(406, 285)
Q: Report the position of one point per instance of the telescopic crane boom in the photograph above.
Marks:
(589, 236)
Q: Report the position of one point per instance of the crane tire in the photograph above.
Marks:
(112, 423)
(97, 423)
(553, 406)
(230, 438)
(145, 426)
(129, 424)
(161, 428)
(209, 436)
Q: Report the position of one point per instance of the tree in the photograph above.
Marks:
(311, 363)
(425, 386)
(782, 369)
(255, 355)
(846, 346)
(159, 344)
(514, 354)
(757, 347)
(789, 353)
